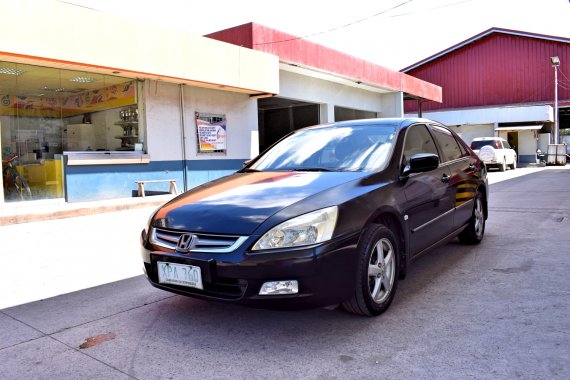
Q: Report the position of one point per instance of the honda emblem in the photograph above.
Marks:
(186, 243)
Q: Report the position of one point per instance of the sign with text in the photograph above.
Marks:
(211, 131)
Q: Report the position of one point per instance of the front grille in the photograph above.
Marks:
(203, 243)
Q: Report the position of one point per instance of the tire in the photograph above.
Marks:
(22, 188)
(475, 230)
(514, 165)
(503, 166)
(378, 271)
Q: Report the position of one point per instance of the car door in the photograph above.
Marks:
(429, 202)
(464, 173)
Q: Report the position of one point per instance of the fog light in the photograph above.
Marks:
(279, 287)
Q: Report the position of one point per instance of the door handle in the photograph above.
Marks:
(445, 178)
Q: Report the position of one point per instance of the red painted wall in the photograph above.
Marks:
(499, 69)
(296, 50)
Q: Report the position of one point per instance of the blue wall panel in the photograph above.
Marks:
(99, 182)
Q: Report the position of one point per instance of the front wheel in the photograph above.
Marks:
(377, 276)
(514, 165)
(22, 188)
(473, 233)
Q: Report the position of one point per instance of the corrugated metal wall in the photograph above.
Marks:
(498, 69)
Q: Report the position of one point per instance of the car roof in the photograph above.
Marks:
(395, 122)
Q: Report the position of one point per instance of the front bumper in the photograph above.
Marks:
(326, 273)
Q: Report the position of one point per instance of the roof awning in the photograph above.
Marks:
(518, 128)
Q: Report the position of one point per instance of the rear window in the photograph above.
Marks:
(476, 145)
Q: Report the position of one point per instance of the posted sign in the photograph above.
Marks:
(211, 134)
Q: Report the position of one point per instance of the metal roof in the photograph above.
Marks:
(483, 35)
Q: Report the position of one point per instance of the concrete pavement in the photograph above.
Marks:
(498, 310)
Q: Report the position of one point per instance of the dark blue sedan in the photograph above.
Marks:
(330, 214)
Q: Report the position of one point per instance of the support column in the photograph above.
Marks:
(393, 104)
(326, 113)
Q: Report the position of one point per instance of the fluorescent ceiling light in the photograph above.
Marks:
(9, 71)
(83, 79)
(49, 89)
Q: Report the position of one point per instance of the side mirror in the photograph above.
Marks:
(422, 162)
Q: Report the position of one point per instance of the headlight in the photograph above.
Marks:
(307, 229)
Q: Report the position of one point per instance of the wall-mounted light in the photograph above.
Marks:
(555, 61)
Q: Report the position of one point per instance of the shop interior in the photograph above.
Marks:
(45, 112)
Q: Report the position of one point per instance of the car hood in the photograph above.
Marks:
(239, 203)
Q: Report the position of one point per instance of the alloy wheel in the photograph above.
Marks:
(381, 270)
(479, 217)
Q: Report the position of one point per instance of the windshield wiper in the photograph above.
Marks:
(313, 170)
(250, 170)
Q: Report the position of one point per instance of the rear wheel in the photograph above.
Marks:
(377, 276)
(503, 166)
(473, 233)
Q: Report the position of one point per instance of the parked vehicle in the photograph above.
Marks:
(495, 152)
(329, 214)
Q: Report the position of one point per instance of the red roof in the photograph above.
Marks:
(480, 36)
(495, 68)
(298, 51)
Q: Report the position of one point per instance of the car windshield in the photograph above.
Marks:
(349, 148)
(478, 144)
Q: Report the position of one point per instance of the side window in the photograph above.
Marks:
(506, 145)
(418, 140)
(448, 144)
(463, 147)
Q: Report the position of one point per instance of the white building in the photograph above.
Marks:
(91, 102)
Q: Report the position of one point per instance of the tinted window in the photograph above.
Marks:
(462, 146)
(481, 143)
(347, 148)
(418, 140)
(450, 147)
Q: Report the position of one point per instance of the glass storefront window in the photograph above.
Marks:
(46, 112)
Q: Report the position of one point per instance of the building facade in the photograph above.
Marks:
(84, 113)
(500, 83)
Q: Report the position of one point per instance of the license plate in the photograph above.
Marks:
(180, 274)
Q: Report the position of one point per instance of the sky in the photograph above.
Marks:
(390, 33)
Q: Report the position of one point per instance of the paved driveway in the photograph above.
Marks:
(498, 310)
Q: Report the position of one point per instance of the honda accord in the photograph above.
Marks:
(330, 214)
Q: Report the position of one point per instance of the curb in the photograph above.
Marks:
(28, 213)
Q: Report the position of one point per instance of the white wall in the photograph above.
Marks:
(163, 121)
(55, 31)
(392, 104)
(469, 132)
(510, 114)
(310, 89)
